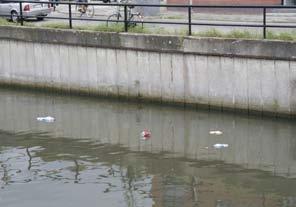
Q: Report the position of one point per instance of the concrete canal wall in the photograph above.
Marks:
(251, 75)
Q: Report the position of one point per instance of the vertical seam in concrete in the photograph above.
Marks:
(117, 68)
(68, 57)
(34, 64)
(233, 82)
(173, 136)
(116, 71)
(137, 74)
(97, 70)
(208, 82)
(149, 88)
(261, 93)
(160, 77)
(148, 70)
(161, 81)
(10, 56)
(1, 51)
(59, 63)
(87, 68)
(247, 85)
(289, 90)
(51, 68)
(185, 78)
(276, 86)
(184, 70)
(220, 71)
(171, 67)
(60, 68)
(196, 97)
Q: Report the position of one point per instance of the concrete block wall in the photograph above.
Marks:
(237, 81)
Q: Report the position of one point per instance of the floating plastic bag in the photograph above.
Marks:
(219, 146)
(46, 119)
(216, 132)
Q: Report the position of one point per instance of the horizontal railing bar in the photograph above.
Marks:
(165, 23)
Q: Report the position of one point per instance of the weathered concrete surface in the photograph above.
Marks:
(246, 75)
(157, 43)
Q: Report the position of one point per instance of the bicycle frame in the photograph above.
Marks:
(119, 14)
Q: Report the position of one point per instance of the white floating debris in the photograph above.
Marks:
(219, 146)
(46, 119)
(216, 132)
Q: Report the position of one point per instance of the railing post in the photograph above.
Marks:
(264, 23)
(189, 21)
(21, 14)
(70, 16)
(125, 19)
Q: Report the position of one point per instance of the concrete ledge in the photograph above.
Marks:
(258, 49)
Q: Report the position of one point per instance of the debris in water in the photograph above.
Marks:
(219, 146)
(216, 132)
(46, 119)
(145, 134)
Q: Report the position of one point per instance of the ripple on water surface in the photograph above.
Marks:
(93, 155)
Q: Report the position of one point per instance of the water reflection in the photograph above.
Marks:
(93, 155)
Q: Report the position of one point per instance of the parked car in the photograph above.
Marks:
(11, 10)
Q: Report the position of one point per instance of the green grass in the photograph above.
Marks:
(286, 36)
(56, 25)
(174, 17)
(209, 33)
(236, 34)
(163, 31)
(112, 27)
(243, 34)
(5, 22)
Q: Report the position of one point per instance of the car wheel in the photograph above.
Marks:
(40, 18)
(14, 16)
(106, 1)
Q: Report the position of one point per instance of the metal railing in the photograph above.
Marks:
(188, 8)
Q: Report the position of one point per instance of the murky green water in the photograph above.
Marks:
(93, 155)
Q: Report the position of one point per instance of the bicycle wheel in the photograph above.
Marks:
(90, 11)
(114, 18)
(136, 19)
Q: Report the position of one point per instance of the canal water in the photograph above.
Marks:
(93, 155)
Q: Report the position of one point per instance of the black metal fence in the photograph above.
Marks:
(188, 8)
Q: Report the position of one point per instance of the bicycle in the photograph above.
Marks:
(82, 9)
(132, 18)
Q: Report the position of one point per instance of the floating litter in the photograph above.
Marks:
(219, 146)
(46, 119)
(145, 134)
(216, 132)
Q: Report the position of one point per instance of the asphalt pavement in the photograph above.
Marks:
(274, 17)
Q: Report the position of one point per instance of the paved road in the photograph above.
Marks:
(102, 12)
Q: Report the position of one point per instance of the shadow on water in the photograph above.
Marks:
(93, 155)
